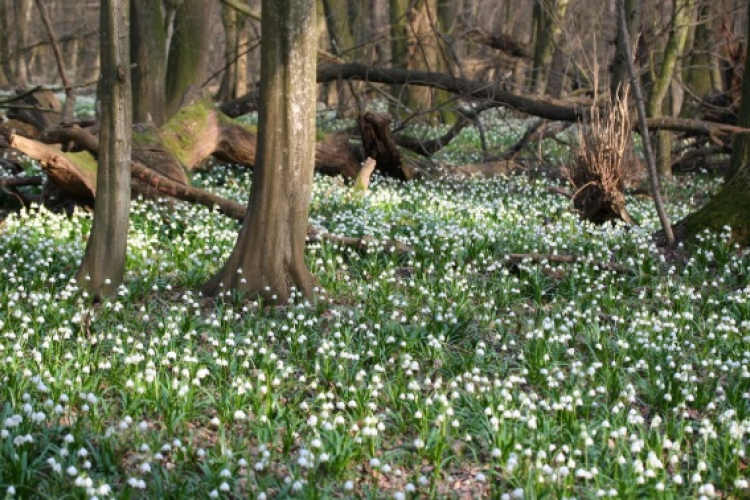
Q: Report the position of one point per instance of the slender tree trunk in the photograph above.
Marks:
(423, 51)
(227, 89)
(22, 18)
(447, 14)
(624, 41)
(382, 48)
(549, 18)
(337, 20)
(147, 46)
(698, 77)
(674, 49)
(70, 97)
(188, 51)
(103, 267)
(6, 69)
(619, 76)
(399, 22)
(342, 42)
(267, 260)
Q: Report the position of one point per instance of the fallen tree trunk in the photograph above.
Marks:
(570, 110)
(75, 179)
(539, 258)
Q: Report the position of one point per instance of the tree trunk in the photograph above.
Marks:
(423, 51)
(698, 78)
(227, 89)
(268, 258)
(22, 14)
(342, 43)
(234, 80)
(188, 51)
(619, 77)
(148, 50)
(731, 206)
(339, 30)
(549, 16)
(6, 69)
(399, 22)
(103, 267)
(381, 48)
(675, 47)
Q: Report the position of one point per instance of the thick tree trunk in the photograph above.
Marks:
(103, 266)
(268, 258)
(188, 51)
(148, 52)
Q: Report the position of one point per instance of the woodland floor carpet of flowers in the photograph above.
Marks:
(449, 372)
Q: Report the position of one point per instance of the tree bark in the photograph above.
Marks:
(234, 80)
(698, 77)
(22, 13)
(70, 97)
(268, 258)
(675, 47)
(103, 267)
(490, 93)
(549, 16)
(148, 52)
(624, 41)
(619, 77)
(188, 51)
(6, 69)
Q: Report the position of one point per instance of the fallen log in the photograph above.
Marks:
(570, 110)
(36, 180)
(63, 170)
(540, 258)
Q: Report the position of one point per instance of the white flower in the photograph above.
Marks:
(71, 471)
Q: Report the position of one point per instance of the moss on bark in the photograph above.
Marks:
(730, 207)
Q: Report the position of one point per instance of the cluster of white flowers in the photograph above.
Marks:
(564, 377)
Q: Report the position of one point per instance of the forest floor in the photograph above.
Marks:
(452, 372)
